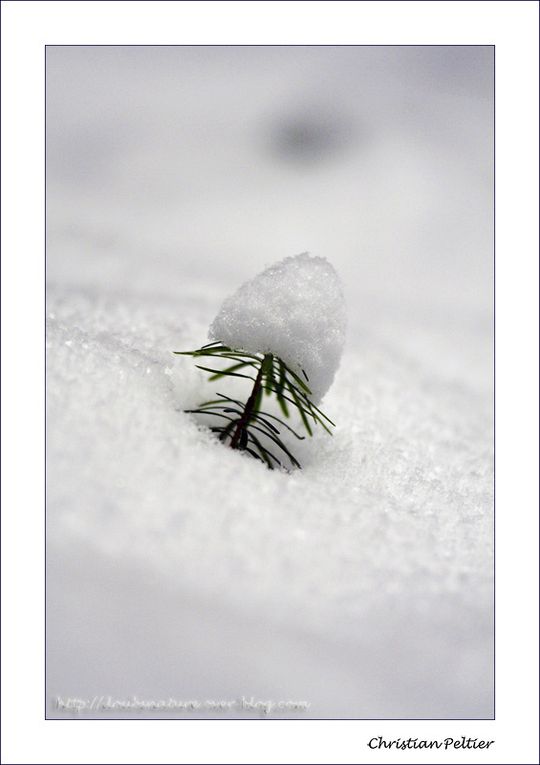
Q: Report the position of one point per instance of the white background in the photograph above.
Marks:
(26, 28)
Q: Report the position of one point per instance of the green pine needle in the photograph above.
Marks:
(246, 423)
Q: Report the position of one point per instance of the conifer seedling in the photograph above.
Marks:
(283, 331)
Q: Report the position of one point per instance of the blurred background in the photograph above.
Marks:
(177, 163)
(173, 175)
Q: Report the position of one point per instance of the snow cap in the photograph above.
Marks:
(294, 309)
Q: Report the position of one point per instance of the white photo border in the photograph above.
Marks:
(512, 27)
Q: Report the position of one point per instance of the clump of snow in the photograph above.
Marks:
(294, 309)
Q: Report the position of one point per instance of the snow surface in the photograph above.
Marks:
(176, 567)
(294, 309)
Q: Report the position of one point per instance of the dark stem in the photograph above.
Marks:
(248, 409)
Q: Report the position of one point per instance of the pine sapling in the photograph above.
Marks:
(284, 331)
(247, 422)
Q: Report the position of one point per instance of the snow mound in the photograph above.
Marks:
(294, 309)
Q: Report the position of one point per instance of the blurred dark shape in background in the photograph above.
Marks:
(311, 136)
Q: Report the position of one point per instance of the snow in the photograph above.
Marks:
(176, 567)
(294, 309)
